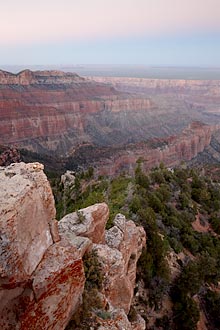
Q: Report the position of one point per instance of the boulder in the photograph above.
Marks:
(82, 244)
(89, 222)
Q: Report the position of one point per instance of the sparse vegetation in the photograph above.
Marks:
(81, 216)
(180, 211)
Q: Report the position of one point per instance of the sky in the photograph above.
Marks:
(136, 32)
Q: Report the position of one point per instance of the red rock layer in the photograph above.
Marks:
(175, 149)
(180, 85)
(49, 104)
(52, 111)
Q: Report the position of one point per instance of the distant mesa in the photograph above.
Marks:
(28, 77)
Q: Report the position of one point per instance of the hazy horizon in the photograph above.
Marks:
(135, 71)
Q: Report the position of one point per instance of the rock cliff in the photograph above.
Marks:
(39, 274)
(42, 275)
(54, 111)
(209, 87)
(171, 151)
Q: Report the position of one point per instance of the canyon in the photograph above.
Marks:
(107, 122)
(55, 111)
(75, 123)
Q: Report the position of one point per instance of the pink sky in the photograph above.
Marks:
(27, 21)
(161, 32)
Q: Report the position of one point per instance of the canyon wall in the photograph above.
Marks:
(180, 85)
(42, 274)
(171, 151)
(60, 114)
(55, 111)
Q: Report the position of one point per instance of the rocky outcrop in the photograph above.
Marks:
(26, 200)
(118, 256)
(67, 179)
(58, 284)
(41, 275)
(211, 154)
(41, 279)
(124, 244)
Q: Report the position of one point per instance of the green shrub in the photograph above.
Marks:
(185, 314)
(212, 303)
(93, 270)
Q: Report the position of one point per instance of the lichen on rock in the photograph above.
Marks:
(42, 277)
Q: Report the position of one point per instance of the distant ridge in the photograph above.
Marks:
(26, 77)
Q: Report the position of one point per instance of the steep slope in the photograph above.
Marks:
(171, 151)
(178, 273)
(211, 154)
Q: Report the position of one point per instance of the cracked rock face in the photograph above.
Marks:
(41, 277)
(124, 244)
(118, 250)
(58, 283)
(27, 207)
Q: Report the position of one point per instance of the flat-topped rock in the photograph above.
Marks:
(28, 77)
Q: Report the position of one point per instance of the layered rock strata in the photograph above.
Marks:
(57, 114)
(54, 111)
(42, 275)
(167, 85)
(171, 151)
